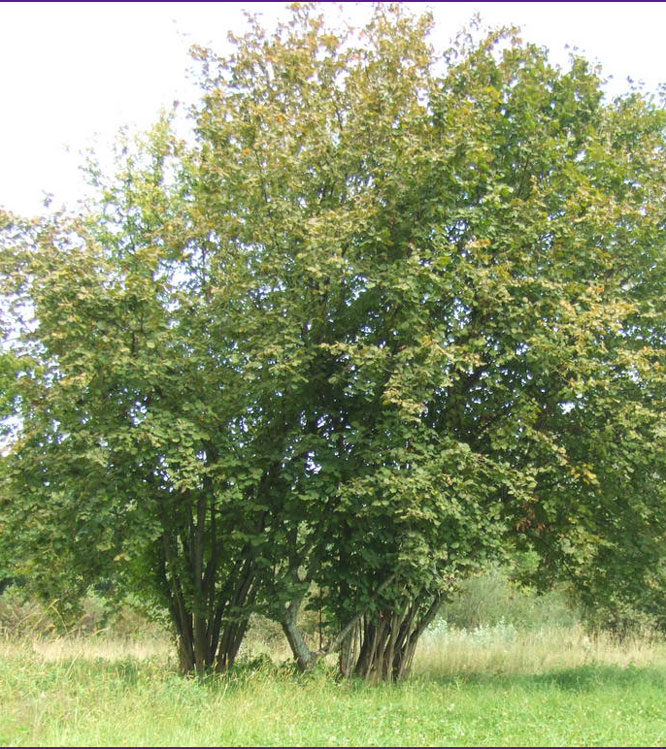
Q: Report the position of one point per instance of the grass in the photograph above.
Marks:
(488, 686)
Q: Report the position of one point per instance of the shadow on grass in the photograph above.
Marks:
(126, 670)
(577, 679)
(591, 676)
(129, 671)
(587, 677)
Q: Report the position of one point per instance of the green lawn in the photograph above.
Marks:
(483, 688)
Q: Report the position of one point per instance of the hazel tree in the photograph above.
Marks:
(390, 314)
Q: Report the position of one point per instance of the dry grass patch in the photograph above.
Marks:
(503, 649)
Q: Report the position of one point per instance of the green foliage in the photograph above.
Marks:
(383, 322)
(22, 616)
(490, 599)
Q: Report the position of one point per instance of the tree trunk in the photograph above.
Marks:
(304, 657)
(349, 648)
(209, 601)
(209, 623)
(232, 639)
(382, 647)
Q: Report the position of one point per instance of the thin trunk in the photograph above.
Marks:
(232, 639)
(238, 601)
(181, 618)
(198, 615)
(304, 657)
(349, 648)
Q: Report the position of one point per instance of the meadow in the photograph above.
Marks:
(491, 684)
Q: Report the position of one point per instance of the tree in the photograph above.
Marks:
(129, 461)
(389, 315)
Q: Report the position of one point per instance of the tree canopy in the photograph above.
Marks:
(390, 314)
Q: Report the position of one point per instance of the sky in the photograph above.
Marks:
(74, 73)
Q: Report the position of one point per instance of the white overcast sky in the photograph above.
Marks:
(76, 72)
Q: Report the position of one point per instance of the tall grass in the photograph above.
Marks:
(499, 668)
(503, 649)
(493, 685)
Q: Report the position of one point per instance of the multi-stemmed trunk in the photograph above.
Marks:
(375, 647)
(209, 594)
(211, 640)
(381, 646)
(209, 636)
